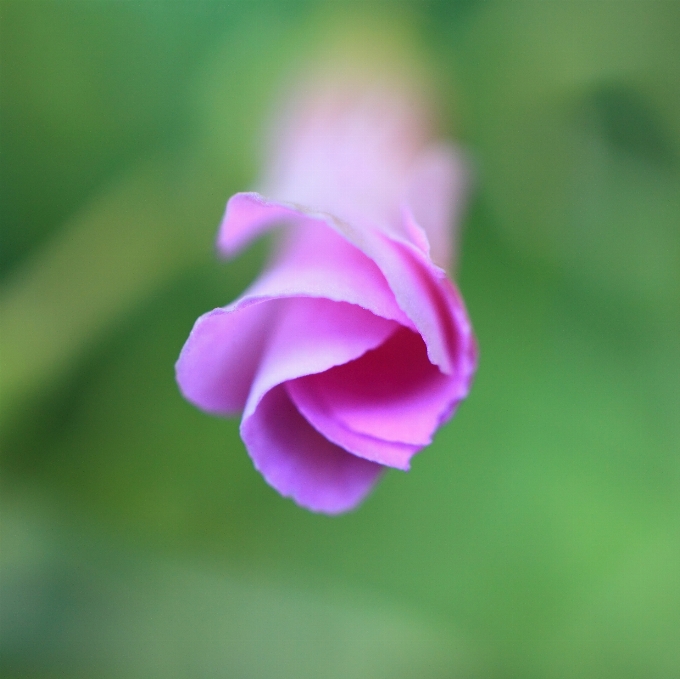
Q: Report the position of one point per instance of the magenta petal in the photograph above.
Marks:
(218, 362)
(316, 411)
(392, 394)
(311, 336)
(300, 463)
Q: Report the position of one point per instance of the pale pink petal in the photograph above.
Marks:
(434, 201)
(415, 282)
(392, 394)
(358, 134)
(247, 216)
(315, 261)
(300, 463)
(312, 335)
(218, 362)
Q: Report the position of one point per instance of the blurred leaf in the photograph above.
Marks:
(79, 609)
(575, 110)
(623, 119)
(140, 230)
(86, 90)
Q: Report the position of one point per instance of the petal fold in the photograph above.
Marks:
(315, 261)
(325, 420)
(300, 463)
(413, 279)
(311, 336)
(219, 361)
(385, 405)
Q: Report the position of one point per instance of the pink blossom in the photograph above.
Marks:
(353, 346)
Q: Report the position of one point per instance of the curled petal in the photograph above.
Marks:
(316, 261)
(414, 281)
(390, 395)
(300, 463)
(312, 336)
(324, 419)
(218, 362)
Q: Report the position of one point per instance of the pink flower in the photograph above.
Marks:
(353, 346)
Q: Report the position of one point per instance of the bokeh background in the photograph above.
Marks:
(538, 537)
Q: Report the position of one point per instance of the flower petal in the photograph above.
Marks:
(315, 261)
(391, 394)
(219, 360)
(415, 282)
(300, 463)
(434, 201)
(311, 336)
(324, 419)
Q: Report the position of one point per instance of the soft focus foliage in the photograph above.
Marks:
(538, 537)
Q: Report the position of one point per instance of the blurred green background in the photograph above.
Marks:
(539, 537)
